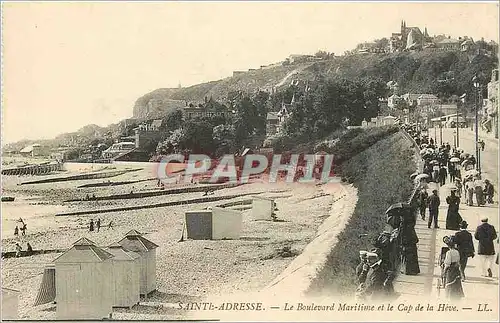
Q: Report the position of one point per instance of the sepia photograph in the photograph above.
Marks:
(263, 161)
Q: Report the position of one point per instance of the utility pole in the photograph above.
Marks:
(440, 134)
(458, 140)
(477, 86)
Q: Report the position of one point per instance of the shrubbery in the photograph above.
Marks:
(381, 175)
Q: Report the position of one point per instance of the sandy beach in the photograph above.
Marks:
(189, 270)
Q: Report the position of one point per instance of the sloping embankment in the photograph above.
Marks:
(381, 176)
(296, 279)
(326, 266)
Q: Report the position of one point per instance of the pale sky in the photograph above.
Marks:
(67, 65)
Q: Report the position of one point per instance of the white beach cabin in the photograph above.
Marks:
(262, 208)
(134, 241)
(126, 276)
(10, 304)
(84, 277)
(216, 224)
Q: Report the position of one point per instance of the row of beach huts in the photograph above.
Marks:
(87, 281)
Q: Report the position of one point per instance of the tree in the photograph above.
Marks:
(173, 120)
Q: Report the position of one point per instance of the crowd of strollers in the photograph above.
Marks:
(395, 249)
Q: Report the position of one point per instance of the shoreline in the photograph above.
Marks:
(186, 271)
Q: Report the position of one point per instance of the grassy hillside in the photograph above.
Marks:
(380, 183)
(413, 71)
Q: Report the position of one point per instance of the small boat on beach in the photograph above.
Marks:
(8, 199)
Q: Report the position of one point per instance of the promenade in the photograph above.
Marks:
(478, 289)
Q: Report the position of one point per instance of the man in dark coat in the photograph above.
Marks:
(442, 175)
(465, 246)
(489, 190)
(433, 209)
(422, 202)
(486, 234)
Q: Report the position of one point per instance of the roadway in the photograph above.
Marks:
(477, 289)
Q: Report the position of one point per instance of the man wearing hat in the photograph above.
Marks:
(433, 209)
(363, 267)
(486, 234)
(374, 285)
(465, 246)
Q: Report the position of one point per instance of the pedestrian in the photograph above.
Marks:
(465, 246)
(363, 267)
(442, 175)
(486, 234)
(453, 218)
(489, 191)
(29, 249)
(110, 225)
(458, 185)
(452, 275)
(422, 202)
(98, 224)
(478, 190)
(23, 229)
(435, 173)
(481, 144)
(433, 209)
(374, 284)
(469, 188)
(16, 231)
(18, 250)
(91, 226)
(451, 171)
(409, 240)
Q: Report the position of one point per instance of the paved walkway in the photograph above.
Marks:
(477, 289)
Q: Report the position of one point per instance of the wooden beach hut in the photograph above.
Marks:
(262, 208)
(84, 277)
(10, 304)
(134, 241)
(126, 276)
(216, 224)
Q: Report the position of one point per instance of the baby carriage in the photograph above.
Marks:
(442, 280)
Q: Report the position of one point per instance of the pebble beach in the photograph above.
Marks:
(186, 271)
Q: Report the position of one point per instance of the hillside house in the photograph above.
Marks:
(300, 58)
(427, 99)
(272, 121)
(393, 101)
(33, 151)
(189, 113)
(449, 44)
(467, 44)
(379, 121)
(118, 149)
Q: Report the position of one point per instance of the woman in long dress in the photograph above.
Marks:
(453, 218)
(409, 240)
(452, 276)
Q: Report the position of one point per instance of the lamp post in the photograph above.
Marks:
(477, 86)
(458, 140)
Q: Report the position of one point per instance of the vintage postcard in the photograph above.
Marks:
(250, 161)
